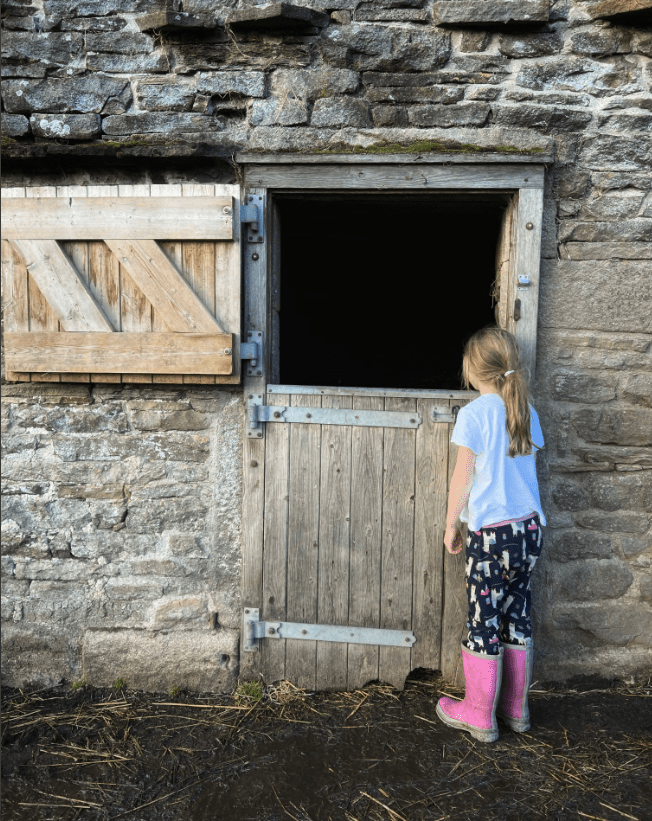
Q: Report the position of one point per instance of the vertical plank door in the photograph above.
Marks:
(353, 536)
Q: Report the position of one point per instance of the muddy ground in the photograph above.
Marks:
(372, 755)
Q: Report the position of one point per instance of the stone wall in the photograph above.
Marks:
(121, 544)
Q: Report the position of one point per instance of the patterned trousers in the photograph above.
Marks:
(499, 562)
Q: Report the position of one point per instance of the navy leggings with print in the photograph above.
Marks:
(499, 561)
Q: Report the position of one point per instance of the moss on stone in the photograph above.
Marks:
(425, 147)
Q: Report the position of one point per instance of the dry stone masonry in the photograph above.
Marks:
(122, 509)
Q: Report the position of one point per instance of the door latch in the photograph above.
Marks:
(251, 214)
(252, 349)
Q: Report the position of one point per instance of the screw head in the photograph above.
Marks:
(255, 256)
(529, 226)
(254, 464)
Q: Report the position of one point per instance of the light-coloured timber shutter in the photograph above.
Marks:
(122, 283)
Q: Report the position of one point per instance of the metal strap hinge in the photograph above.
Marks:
(251, 214)
(255, 630)
(251, 348)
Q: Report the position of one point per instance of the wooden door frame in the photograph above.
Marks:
(518, 256)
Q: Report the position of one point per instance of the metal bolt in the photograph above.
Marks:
(529, 226)
(271, 631)
(227, 352)
(259, 372)
(246, 611)
(304, 632)
(277, 415)
(249, 334)
(308, 415)
(255, 256)
(251, 396)
(407, 639)
(254, 463)
(413, 420)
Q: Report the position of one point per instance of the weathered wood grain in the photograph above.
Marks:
(429, 519)
(61, 285)
(303, 543)
(529, 220)
(275, 543)
(252, 159)
(455, 603)
(125, 352)
(381, 177)
(366, 522)
(334, 535)
(123, 217)
(397, 542)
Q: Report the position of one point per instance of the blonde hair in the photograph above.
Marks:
(488, 354)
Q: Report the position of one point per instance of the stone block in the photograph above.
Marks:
(168, 447)
(93, 8)
(165, 22)
(15, 125)
(617, 491)
(474, 40)
(74, 419)
(309, 84)
(36, 655)
(593, 580)
(122, 42)
(446, 95)
(164, 96)
(479, 12)
(376, 15)
(607, 296)
(188, 547)
(637, 387)
(530, 45)
(642, 43)
(276, 16)
(29, 54)
(620, 522)
(199, 661)
(618, 75)
(486, 70)
(246, 83)
(519, 95)
(256, 53)
(612, 205)
(541, 117)
(127, 64)
(626, 123)
(155, 515)
(601, 43)
(54, 569)
(571, 545)
(290, 111)
(337, 112)
(646, 589)
(88, 24)
(381, 48)
(606, 250)
(180, 613)
(389, 116)
(171, 420)
(619, 623)
(481, 93)
(620, 426)
(462, 114)
(612, 231)
(168, 124)
(569, 494)
(571, 386)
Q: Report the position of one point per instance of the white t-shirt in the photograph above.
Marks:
(504, 487)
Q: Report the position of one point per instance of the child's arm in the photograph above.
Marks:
(461, 484)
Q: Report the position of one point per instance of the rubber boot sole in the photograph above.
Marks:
(518, 725)
(478, 733)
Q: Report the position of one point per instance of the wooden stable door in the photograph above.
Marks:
(353, 531)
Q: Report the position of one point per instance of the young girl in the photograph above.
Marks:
(494, 488)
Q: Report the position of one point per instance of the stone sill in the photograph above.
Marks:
(278, 16)
(26, 150)
(168, 21)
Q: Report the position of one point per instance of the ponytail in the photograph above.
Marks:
(492, 356)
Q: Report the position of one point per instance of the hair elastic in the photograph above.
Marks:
(507, 373)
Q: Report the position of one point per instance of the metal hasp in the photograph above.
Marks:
(251, 213)
(252, 349)
(257, 413)
(443, 413)
(523, 282)
(256, 630)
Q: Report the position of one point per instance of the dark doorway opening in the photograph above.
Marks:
(382, 290)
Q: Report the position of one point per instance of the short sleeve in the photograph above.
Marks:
(535, 430)
(467, 431)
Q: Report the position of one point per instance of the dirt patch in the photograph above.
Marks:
(277, 752)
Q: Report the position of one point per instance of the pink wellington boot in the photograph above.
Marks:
(476, 714)
(517, 677)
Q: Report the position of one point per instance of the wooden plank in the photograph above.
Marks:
(136, 218)
(41, 316)
(252, 159)
(60, 283)
(366, 521)
(431, 497)
(504, 254)
(415, 393)
(275, 542)
(164, 286)
(14, 300)
(397, 542)
(529, 225)
(255, 317)
(455, 603)
(303, 544)
(66, 352)
(77, 253)
(380, 177)
(334, 545)
(197, 267)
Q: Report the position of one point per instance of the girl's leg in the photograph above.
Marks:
(522, 549)
(485, 584)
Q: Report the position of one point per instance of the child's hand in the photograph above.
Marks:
(453, 540)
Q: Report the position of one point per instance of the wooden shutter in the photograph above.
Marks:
(122, 283)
